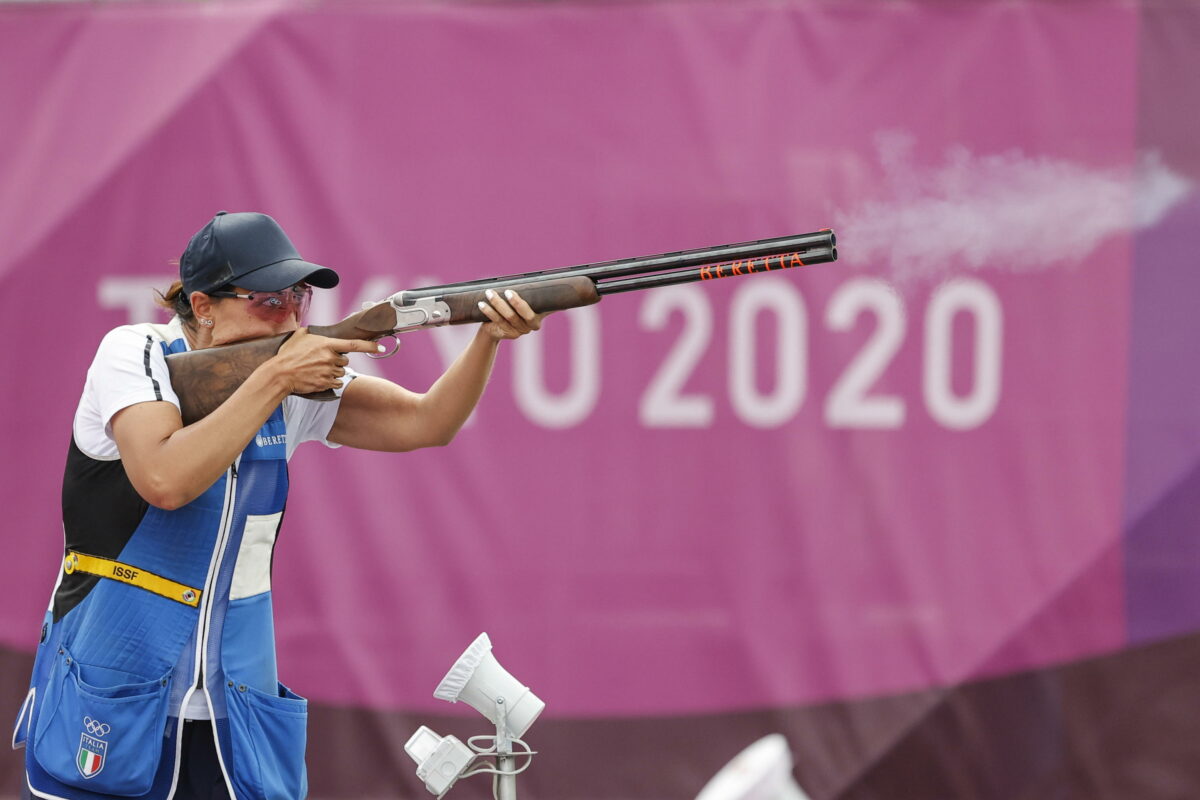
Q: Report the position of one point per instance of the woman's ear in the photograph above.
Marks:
(201, 305)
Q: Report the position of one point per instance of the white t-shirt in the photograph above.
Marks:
(130, 368)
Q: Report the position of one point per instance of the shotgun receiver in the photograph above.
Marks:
(203, 379)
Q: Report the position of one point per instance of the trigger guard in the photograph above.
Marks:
(389, 353)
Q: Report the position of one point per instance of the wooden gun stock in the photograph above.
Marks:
(203, 379)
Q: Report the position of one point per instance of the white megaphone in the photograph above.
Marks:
(479, 681)
(763, 771)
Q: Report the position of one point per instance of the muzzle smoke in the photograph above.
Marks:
(1007, 211)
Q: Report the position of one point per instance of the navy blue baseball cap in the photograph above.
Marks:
(249, 250)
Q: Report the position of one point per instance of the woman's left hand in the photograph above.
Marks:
(511, 317)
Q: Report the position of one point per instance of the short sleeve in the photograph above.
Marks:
(311, 420)
(129, 368)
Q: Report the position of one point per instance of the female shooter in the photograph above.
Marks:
(156, 673)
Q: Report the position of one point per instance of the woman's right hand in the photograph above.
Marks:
(309, 363)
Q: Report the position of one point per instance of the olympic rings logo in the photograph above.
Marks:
(95, 727)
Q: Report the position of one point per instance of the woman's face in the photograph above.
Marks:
(253, 315)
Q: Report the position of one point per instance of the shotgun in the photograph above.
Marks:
(203, 379)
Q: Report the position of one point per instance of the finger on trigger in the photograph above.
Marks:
(357, 346)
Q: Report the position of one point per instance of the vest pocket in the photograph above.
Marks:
(104, 739)
(267, 736)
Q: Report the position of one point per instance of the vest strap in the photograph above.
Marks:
(134, 576)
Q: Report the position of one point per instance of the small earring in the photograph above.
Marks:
(206, 323)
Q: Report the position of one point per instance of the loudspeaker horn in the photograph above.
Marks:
(478, 680)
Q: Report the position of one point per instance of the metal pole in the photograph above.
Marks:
(506, 781)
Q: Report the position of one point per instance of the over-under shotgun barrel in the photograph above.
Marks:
(810, 248)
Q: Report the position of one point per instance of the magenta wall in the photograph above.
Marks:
(904, 472)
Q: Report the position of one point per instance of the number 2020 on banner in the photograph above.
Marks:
(852, 400)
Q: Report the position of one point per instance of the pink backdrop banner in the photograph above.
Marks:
(899, 471)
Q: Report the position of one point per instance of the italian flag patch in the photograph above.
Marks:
(90, 758)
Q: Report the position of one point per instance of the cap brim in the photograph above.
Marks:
(282, 274)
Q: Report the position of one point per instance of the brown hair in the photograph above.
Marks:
(176, 300)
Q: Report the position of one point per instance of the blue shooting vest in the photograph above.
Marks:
(102, 716)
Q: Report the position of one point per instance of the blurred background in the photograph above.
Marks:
(929, 512)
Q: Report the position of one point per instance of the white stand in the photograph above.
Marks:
(442, 760)
(506, 781)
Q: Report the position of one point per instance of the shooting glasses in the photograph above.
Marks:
(271, 306)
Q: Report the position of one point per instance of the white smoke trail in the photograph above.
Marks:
(1008, 211)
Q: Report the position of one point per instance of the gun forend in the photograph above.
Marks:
(461, 305)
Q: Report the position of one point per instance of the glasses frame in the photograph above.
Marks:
(298, 297)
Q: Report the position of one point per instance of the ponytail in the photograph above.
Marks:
(176, 300)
